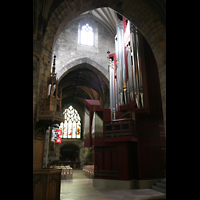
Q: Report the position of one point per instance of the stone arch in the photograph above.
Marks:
(71, 66)
(65, 143)
(101, 81)
(147, 16)
(70, 147)
(78, 143)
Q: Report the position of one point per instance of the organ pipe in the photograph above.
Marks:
(126, 83)
(116, 77)
(137, 73)
(141, 102)
(130, 74)
(112, 89)
(121, 63)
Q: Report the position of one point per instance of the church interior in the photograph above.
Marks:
(99, 96)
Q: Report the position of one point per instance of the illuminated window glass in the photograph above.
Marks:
(71, 127)
(87, 35)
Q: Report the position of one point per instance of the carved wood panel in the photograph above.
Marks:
(38, 153)
(46, 184)
(39, 186)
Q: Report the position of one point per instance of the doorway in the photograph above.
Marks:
(69, 152)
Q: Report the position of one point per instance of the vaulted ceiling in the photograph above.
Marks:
(106, 16)
(83, 82)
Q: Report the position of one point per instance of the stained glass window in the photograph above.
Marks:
(87, 35)
(71, 127)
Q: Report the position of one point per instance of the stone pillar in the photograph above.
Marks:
(57, 152)
(46, 148)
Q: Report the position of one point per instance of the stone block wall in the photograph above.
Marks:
(49, 18)
(67, 49)
(54, 153)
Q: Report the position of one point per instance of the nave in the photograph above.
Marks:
(81, 187)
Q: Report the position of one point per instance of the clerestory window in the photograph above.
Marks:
(87, 35)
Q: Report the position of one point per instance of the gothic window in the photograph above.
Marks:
(71, 127)
(87, 35)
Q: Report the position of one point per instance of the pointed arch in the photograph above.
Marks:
(148, 16)
(94, 67)
(71, 127)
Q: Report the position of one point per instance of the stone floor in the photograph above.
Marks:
(81, 187)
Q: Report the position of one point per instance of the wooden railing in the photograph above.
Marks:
(50, 115)
(120, 128)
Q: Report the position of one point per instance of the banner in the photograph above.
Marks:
(56, 135)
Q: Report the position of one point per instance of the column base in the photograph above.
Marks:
(124, 184)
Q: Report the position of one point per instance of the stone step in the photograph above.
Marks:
(159, 189)
(162, 185)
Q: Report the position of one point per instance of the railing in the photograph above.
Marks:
(45, 113)
(50, 115)
(58, 116)
(120, 128)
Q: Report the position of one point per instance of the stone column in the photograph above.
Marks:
(46, 148)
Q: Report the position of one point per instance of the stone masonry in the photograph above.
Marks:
(49, 19)
(67, 49)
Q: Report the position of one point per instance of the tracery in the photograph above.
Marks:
(71, 127)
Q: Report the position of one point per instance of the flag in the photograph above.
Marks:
(58, 140)
(59, 132)
(56, 135)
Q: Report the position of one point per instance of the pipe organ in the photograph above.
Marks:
(112, 72)
(126, 83)
(132, 145)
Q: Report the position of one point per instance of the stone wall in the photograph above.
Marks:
(54, 153)
(50, 18)
(67, 48)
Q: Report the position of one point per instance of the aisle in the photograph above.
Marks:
(81, 187)
(78, 174)
(77, 188)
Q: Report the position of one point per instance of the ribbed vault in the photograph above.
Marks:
(83, 81)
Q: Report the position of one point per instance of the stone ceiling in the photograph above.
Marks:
(106, 16)
(83, 82)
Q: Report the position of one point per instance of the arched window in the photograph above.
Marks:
(87, 35)
(71, 127)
